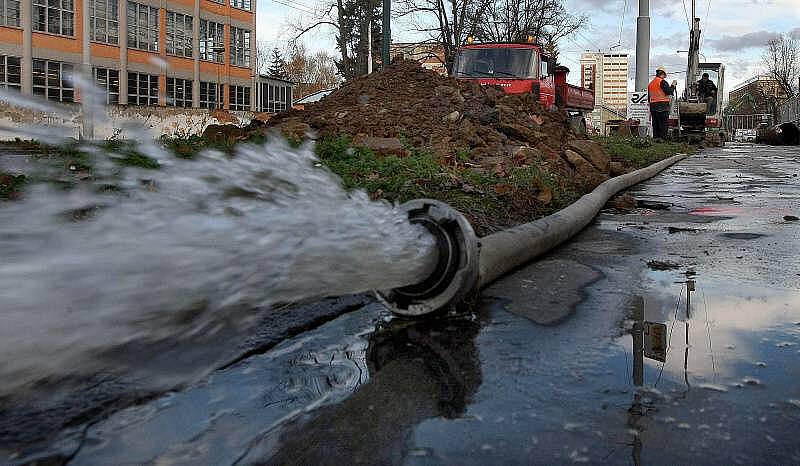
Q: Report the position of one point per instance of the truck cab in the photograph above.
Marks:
(522, 68)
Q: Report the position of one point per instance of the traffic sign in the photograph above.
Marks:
(655, 341)
(639, 109)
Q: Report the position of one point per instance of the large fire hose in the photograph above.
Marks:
(467, 263)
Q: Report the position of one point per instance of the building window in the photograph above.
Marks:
(53, 80)
(179, 92)
(104, 25)
(179, 34)
(240, 47)
(142, 89)
(212, 47)
(142, 27)
(9, 13)
(54, 16)
(275, 97)
(10, 76)
(243, 4)
(239, 97)
(210, 95)
(108, 80)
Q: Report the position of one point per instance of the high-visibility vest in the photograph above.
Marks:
(656, 93)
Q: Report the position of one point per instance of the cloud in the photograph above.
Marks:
(732, 43)
(595, 5)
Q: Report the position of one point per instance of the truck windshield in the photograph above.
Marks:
(495, 63)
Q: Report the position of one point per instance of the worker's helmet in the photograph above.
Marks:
(661, 69)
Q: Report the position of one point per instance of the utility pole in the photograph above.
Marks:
(387, 32)
(643, 46)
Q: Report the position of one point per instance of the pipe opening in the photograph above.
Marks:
(456, 272)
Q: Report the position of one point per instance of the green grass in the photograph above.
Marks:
(489, 200)
(10, 185)
(637, 152)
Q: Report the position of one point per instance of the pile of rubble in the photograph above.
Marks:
(408, 106)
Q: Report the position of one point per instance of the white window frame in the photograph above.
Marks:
(276, 97)
(239, 98)
(241, 4)
(150, 96)
(179, 92)
(179, 34)
(55, 81)
(5, 83)
(104, 13)
(210, 40)
(240, 47)
(7, 7)
(142, 36)
(62, 10)
(108, 80)
(207, 100)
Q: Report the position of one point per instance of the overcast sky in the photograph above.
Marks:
(734, 31)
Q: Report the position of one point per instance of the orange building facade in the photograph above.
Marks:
(182, 53)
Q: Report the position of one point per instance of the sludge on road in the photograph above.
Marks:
(545, 370)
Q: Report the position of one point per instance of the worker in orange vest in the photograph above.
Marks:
(660, 92)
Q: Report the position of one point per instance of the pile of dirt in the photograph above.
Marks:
(407, 106)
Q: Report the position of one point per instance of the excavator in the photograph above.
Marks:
(691, 116)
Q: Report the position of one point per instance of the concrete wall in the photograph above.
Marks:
(23, 123)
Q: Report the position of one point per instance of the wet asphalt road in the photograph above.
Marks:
(544, 370)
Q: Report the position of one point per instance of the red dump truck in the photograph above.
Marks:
(523, 67)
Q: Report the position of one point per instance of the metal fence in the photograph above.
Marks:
(734, 122)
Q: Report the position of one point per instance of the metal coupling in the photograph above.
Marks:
(455, 275)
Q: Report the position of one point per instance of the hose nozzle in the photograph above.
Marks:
(456, 272)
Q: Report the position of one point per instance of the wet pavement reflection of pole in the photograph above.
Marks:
(637, 411)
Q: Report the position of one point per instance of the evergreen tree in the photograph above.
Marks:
(277, 67)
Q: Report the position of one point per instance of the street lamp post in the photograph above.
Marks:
(643, 45)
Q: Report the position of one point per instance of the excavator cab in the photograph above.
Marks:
(697, 115)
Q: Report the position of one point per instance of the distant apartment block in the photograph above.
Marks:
(181, 53)
(607, 74)
(429, 55)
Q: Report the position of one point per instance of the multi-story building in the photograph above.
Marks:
(182, 53)
(607, 74)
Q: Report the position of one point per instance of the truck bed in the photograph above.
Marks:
(575, 97)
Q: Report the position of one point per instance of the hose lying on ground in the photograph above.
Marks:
(467, 263)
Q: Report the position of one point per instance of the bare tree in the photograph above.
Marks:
(782, 61)
(446, 22)
(311, 72)
(546, 21)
